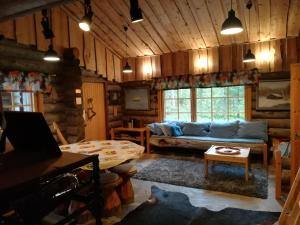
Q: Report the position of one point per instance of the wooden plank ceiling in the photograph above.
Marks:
(12, 8)
(176, 25)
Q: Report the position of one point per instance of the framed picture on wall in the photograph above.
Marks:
(137, 98)
(114, 97)
(273, 95)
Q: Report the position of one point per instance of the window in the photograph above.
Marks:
(18, 101)
(220, 103)
(177, 105)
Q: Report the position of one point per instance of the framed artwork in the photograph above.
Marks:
(137, 98)
(114, 97)
(273, 95)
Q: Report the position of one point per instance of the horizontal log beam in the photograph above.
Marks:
(277, 123)
(279, 132)
(270, 115)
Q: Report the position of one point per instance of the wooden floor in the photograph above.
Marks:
(199, 197)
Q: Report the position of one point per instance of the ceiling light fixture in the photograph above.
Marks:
(249, 56)
(127, 68)
(135, 12)
(232, 25)
(51, 55)
(86, 21)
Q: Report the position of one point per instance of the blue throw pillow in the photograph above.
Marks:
(253, 130)
(195, 129)
(176, 131)
(223, 130)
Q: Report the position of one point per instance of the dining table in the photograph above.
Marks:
(110, 152)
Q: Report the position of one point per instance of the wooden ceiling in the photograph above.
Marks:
(175, 25)
(12, 8)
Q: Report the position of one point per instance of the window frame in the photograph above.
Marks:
(34, 98)
(177, 99)
(193, 101)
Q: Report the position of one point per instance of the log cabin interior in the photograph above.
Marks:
(188, 111)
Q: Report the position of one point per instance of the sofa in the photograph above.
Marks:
(252, 134)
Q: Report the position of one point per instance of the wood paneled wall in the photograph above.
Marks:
(93, 55)
(271, 56)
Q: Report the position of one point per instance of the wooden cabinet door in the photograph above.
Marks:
(94, 110)
(295, 119)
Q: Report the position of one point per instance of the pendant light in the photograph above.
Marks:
(232, 25)
(86, 21)
(249, 56)
(51, 55)
(127, 68)
(135, 12)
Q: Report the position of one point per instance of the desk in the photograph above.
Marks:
(110, 152)
(142, 137)
(23, 172)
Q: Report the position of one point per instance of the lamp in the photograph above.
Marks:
(232, 25)
(249, 57)
(86, 21)
(127, 68)
(51, 55)
(135, 12)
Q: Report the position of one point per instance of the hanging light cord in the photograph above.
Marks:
(125, 29)
(249, 5)
(231, 4)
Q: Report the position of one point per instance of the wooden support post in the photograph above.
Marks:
(265, 155)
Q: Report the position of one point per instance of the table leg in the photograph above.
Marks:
(148, 139)
(96, 208)
(142, 138)
(206, 168)
(246, 169)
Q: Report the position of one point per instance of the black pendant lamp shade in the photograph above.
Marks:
(51, 55)
(249, 57)
(135, 12)
(86, 21)
(127, 68)
(232, 25)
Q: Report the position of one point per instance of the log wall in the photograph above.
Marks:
(92, 52)
(59, 106)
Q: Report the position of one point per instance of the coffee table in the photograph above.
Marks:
(212, 155)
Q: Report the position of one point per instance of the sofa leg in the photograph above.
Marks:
(265, 155)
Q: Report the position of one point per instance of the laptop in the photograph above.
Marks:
(28, 132)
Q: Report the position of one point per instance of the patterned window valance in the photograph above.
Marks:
(21, 81)
(207, 80)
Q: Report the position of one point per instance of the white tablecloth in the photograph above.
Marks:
(111, 152)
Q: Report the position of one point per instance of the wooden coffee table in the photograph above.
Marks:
(242, 157)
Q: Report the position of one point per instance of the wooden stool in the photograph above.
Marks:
(125, 190)
(112, 202)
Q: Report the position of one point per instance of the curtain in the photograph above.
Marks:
(207, 80)
(25, 81)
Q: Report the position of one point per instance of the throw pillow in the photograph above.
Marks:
(155, 128)
(223, 130)
(253, 130)
(166, 129)
(176, 131)
(195, 129)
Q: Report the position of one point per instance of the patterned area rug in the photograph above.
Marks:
(228, 178)
(165, 208)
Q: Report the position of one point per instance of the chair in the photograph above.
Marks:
(125, 189)
(290, 214)
(282, 168)
(58, 134)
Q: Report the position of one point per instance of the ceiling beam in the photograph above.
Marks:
(15, 8)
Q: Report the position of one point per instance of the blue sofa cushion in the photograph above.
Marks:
(253, 129)
(176, 131)
(227, 140)
(195, 129)
(223, 130)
